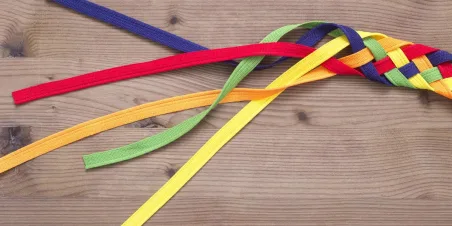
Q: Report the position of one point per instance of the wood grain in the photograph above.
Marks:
(344, 151)
(233, 211)
(352, 163)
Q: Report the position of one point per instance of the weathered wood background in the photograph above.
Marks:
(343, 151)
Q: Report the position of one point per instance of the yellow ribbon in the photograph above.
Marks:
(213, 145)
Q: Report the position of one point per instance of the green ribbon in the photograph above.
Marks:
(164, 138)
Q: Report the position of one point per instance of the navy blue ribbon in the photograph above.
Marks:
(139, 28)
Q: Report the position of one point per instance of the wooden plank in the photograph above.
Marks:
(52, 31)
(339, 102)
(308, 163)
(226, 211)
(343, 151)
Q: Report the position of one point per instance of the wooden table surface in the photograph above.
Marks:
(343, 151)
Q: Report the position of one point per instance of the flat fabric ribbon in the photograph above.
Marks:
(151, 67)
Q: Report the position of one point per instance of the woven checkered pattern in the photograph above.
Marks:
(413, 66)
